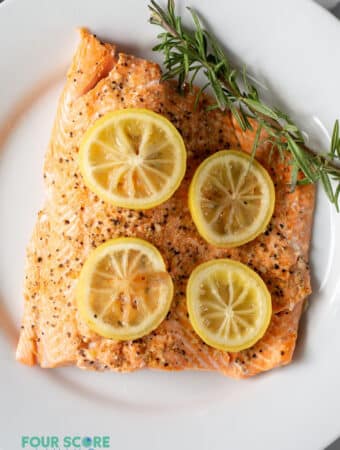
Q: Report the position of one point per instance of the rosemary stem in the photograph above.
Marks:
(272, 122)
(189, 52)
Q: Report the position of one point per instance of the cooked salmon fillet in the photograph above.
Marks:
(74, 221)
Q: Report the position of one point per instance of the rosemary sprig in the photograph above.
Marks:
(188, 53)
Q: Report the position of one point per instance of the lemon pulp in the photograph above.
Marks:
(229, 304)
(133, 158)
(124, 291)
(231, 198)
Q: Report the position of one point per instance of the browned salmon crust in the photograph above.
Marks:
(73, 221)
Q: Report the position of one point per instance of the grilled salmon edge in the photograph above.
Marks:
(99, 61)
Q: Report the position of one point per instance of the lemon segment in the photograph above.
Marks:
(124, 291)
(229, 304)
(133, 158)
(231, 198)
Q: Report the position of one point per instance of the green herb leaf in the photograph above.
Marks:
(327, 185)
(335, 138)
(301, 159)
(261, 108)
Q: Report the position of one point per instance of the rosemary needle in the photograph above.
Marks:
(188, 52)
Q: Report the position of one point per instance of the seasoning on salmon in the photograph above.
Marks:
(73, 221)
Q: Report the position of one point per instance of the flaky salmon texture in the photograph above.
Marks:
(74, 221)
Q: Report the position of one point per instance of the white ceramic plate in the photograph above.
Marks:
(292, 47)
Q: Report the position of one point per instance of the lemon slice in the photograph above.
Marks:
(231, 198)
(229, 305)
(133, 158)
(124, 291)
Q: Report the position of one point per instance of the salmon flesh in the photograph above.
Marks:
(73, 221)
